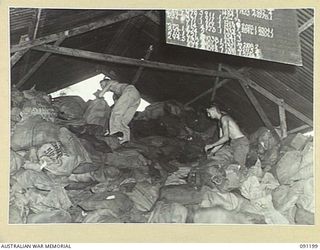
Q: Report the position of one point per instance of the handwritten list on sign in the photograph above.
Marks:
(268, 34)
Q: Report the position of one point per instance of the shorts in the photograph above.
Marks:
(240, 148)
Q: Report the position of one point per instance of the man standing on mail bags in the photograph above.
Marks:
(127, 100)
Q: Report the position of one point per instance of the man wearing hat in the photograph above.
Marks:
(126, 104)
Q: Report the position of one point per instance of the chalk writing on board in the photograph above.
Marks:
(269, 34)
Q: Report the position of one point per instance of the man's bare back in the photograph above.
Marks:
(234, 130)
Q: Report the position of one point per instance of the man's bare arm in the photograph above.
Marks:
(103, 91)
(213, 149)
(225, 129)
(225, 137)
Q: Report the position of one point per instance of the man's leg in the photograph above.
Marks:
(120, 107)
(126, 118)
(123, 112)
(240, 150)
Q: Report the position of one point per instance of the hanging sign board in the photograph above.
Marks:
(266, 34)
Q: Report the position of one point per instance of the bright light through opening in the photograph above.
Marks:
(310, 133)
(86, 88)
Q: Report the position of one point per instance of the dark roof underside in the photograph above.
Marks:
(132, 38)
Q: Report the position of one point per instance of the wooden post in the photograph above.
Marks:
(256, 105)
(36, 24)
(76, 31)
(33, 31)
(130, 61)
(139, 71)
(215, 86)
(283, 121)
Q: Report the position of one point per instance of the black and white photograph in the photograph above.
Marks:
(175, 116)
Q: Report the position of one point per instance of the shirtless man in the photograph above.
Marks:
(228, 130)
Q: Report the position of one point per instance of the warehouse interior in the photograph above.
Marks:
(52, 49)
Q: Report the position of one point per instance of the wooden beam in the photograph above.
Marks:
(208, 91)
(139, 71)
(37, 65)
(202, 95)
(283, 121)
(295, 130)
(130, 61)
(306, 25)
(270, 96)
(256, 105)
(220, 84)
(17, 56)
(76, 31)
